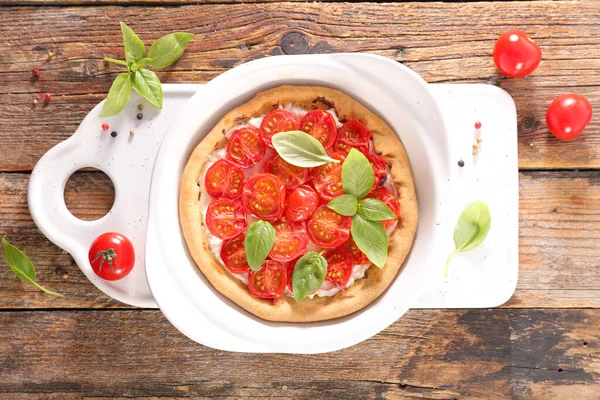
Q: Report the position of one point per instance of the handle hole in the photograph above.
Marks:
(89, 194)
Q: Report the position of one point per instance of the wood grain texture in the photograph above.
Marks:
(444, 42)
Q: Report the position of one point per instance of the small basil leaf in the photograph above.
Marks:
(300, 149)
(118, 96)
(22, 266)
(134, 47)
(345, 204)
(166, 50)
(309, 274)
(371, 239)
(374, 210)
(147, 84)
(357, 174)
(260, 237)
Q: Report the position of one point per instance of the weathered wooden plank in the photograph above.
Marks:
(427, 354)
(444, 42)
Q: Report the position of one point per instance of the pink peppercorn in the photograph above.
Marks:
(36, 72)
(477, 125)
(105, 126)
(48, 96)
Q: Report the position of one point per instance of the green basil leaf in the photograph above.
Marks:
(357, 174)
(118, 96)
(371, 239)
(309, 274)
(166, 50)
(143, 62)
(134, 47)
(147, 84)
(300, 149)
(374, 210)
(260, 237)
(21, 265)
(345, 204)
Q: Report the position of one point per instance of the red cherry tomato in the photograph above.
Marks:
(383, 194)
(223, 179)
(353, 134)
(226, 218)
(264, 196)
(233, 255)
(516, 55)
(291, 175)
(328, 229)
(275, 122)
(339, 266)
(290, 272)
(245, 148)
(327, 178)
(269, 281)
(111, 256)
(320, 125)
(568, 115)
(358, 257)
(379, 170)
(291, 240)
(301, 203)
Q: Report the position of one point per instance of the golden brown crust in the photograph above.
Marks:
(364, 291)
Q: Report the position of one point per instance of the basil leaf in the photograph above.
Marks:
(345, 204)
(260, 237)
(471, 229)
(309, 274)
(357, 174)
(143, 62)
(374, 210)
(371, 239)
(147, 84)
(118, 96)
(134, 47)
(21, 265)
(166, 50)
(300, 149)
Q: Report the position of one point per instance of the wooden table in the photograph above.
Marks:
(544, 343)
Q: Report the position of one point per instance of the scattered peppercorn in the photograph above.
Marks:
(131, 133)
(35, 101)
(475, 146)
(140, 107)
(475, 152)
(48, 96)
(140, 116)
(36, 72)
(105, 126)
(461, 163)
(479, 139)
(113, 134)
(477, 125)
(39, 96)
(50, 54)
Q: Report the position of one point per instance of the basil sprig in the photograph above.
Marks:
(300, 149)
(471, 229)
(309, 274)
(164, 52)
(259, 240)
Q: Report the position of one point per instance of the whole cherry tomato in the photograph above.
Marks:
(516, 55)
(111, 256)
(568, 115)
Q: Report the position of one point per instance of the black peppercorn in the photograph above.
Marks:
(461, 163)
(113, 134)
(140, 116)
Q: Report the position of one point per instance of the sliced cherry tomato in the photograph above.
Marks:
(353, 134)
(301, 203)
(320, 125)
(290, 273)
(516, 55)
(358, 257)
(275, 122)
(339, 266)
(291, 175)
(233, 255)
(264, 196)
(111, 256)
(245, 148)
(269, 281)
(328, 229)
(379, 169)
(291, 240)
(223, 179)
(568, 115)
(226, 218)
(383, 194)
(327, 178)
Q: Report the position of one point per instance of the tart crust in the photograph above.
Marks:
(364, 291)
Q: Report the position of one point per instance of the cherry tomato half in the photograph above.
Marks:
(291, 175)
(301, 203)
(353, 134)
(269, 281)
(245, 148)
(233, 255)
(327, 178)
(339, 266)
(516, 55)
(111, 256)
(328, 229)
(291, 240)
(358, 257)
(379, 170)
(264, 196)
(384, 195)
(275, 122)
(223, 179)
(226, 218)
(568, 115)
(320, 125)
